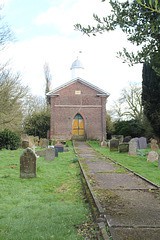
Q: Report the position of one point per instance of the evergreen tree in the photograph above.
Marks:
(150, 97)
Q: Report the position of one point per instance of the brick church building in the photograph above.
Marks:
(78, 109)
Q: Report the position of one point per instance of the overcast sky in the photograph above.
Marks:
(44, 32)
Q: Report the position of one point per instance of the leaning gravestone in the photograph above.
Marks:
(114, 143)
(142, 143)
(123, 147)
(50, 154)
(126, 139)
(28, 164)
(133, 147)
(152, 156)
(137, 139)
(154, 145)
(45, 143)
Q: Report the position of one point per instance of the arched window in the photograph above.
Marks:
(78, 125)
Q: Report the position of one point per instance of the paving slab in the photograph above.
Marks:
(131, 205)
(135, 233)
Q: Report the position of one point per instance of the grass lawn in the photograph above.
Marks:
(51, 206)
(137, 164)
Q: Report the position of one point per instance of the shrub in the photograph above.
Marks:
(9, 140)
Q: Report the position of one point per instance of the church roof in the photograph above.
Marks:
(101, 92)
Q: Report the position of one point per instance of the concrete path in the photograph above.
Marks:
(131, 205)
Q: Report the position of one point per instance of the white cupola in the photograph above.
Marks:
(77, 69)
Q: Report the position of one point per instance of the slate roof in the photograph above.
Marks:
(101, 92)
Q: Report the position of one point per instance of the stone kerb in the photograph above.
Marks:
(132, 148)
(28, 164)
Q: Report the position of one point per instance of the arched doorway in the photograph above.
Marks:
(78, 125)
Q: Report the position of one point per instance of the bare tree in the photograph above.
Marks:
(48, 78)
(129, 105)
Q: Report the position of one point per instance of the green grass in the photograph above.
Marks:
(137, 164)
(48, 207)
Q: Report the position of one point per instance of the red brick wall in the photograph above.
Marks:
(65, 106)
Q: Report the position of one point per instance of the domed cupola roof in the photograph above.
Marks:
(77, 69)
(77, 64)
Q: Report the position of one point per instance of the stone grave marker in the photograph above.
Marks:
(59, 146)
(154, 145)
(114, 143)
(25, 144)
(50, 154)
(142, 143)
(133, 147)
(103, 144)
(123, 147)
(45, 143)
(119, 137)
(56, 150)
(159, 161)
(40, 142)
(126, 139)
(137, 139)
(41, 153)
(28, 164)
(152, 156)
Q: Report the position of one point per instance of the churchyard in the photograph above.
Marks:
(138, 163)
(48, 205)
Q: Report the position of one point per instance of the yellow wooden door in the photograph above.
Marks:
(78, 125)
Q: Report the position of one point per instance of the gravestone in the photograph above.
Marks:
(59, 146)
(132, 148)
(154, 145)
(28, 164)
(103, 144)
(142, 143)
(41, 153)
(119, 137)
(56, 150)
(123, 147)
(45, 143)
(152, 156)
(50, 154)
(40, 142)
(137, 139)
(126, 139)
(114, 143)
(159, 161)
(25, 144)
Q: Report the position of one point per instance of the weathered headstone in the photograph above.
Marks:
(40, 142)
(41, 153)
(126, 139)
(59, 146)
(103, 144)
(119, 137)
(159, 161)
(25, 144)
(152, 156)
(123, 147)
(114, 143)
(154, 145)
(45, 143)
(56, 150)
(137, 139)
(50, 154)
(133, 147)
(142, 143)
(28, 164)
